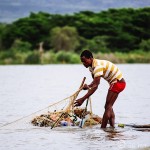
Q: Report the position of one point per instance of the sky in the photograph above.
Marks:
(11, 10)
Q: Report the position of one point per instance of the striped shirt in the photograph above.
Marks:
(109, 71)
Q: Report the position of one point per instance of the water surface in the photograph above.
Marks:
(27, 89)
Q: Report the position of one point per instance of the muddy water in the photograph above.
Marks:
(26, 89)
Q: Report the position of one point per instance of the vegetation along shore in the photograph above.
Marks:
(118, 35)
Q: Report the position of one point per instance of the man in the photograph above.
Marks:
(111, 73)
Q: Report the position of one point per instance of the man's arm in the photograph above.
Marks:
(92, 88)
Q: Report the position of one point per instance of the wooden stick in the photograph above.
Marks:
(82, 82)
(84, 113)
(57, 120)
(140, 126)
(136, 126)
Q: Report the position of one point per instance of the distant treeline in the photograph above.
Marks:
(115, 30)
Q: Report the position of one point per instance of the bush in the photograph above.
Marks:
(67, 57)
(21, 46)
(7, 54)
(33, 58)
(49, 58)
(145, 45)
(74, 59)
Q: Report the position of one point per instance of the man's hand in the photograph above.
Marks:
(85, 87)
(78, 102)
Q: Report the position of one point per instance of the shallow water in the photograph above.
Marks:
(26, 89)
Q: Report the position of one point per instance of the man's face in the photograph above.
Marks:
(86, 61)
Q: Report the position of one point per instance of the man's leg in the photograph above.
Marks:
(109, 114)
(112, 118)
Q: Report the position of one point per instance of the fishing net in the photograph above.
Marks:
(63, 113)
(68, 116)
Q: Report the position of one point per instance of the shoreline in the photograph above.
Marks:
(63, 57)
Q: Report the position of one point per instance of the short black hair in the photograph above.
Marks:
(87, 54)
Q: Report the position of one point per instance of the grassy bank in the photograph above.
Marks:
(62, 57)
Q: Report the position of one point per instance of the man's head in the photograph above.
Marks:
(86, 58)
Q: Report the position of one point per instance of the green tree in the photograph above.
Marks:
(124, 27)
(145, 45)
(21, 46)
(64, 38)
(2, 28)
(7, 37)
(98, 44)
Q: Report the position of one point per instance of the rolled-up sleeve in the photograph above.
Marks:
(98, 71)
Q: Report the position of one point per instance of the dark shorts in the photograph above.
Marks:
(117, 87)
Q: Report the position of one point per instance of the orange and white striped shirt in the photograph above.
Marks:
(106, 69)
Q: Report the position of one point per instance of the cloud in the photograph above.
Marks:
(11, 10)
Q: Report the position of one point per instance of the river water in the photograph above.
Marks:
(26, 89)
